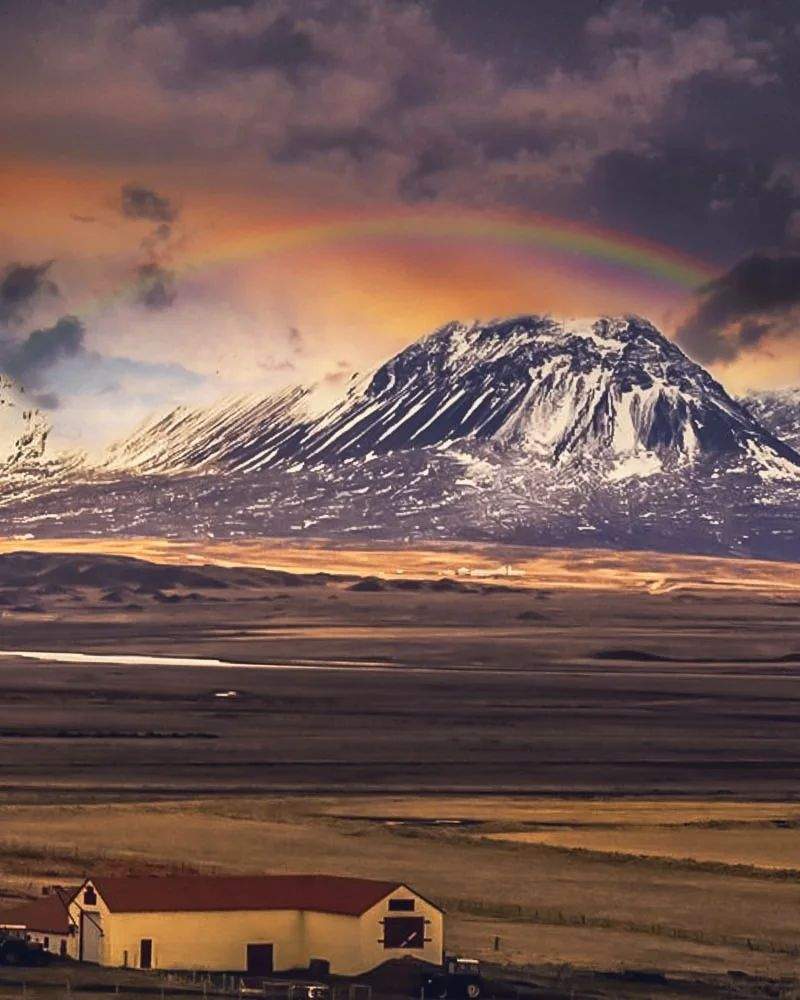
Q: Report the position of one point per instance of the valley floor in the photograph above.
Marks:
(603, 777)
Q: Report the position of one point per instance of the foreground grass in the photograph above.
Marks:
(671, 915)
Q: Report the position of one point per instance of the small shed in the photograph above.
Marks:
(45, 921)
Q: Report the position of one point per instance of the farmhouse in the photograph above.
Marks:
(44, 921)
(255, 924)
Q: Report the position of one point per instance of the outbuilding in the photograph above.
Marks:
(45, 921)
(253, 924)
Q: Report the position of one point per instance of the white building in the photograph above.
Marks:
(250, 924)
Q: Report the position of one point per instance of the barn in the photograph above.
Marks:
(253, 924)
(45, 921)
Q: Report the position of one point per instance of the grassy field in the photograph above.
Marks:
(597, 767)
(544, 905)
(748, 844)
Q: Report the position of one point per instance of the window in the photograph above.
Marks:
(89, 896)
(401, 904)
(46, 943)
(404, 932)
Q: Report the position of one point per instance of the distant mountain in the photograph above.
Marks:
(527, 430)
(23, 429)
(613, 392)
(779, 411)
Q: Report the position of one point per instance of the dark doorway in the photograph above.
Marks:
(145, 954)
(259, 959)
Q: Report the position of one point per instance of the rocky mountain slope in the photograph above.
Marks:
(528, 430)
(23, 429)
(613, 392)
(779, 411)
(227, 435)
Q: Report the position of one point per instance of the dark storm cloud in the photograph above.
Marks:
(526, 39)
(693, 196)
(419, 183)
(29, 360)
(216, 46)
(534, 107)
(753, 300)
(155, 286)
(673, 120)
(712, 111)
(507, 140)
(154, 280)
(357, 142)
(21, 286)
(138, 202)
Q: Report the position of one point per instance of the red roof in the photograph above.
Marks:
(320, 893)
(48, 914)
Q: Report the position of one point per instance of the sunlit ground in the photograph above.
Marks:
(521, 566)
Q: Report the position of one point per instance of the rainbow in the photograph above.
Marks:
(397, 228)
(390, 230)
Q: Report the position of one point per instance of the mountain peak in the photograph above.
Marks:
(611, 394)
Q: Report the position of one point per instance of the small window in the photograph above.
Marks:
(405, 905)
(46, 943)
(89, 897)
(404, 932)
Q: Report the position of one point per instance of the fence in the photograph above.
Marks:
(231, 984)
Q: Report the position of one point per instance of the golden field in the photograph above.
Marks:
(590, 909)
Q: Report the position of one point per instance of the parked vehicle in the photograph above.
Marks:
(459, 979)
(310, 991)
(18, 951)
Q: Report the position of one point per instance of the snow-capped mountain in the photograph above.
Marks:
(226, 435)
(611, 392)
(779, 411)
(599, 433)
(23, 429)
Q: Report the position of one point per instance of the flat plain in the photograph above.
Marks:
(602, 776)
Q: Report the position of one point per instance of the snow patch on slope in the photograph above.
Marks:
(612, 394)
(23, 429)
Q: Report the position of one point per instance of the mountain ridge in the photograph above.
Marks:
(779, 411)
(613, 390)
(525, 430)
(23, 428)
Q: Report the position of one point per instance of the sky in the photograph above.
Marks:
(202, 198)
